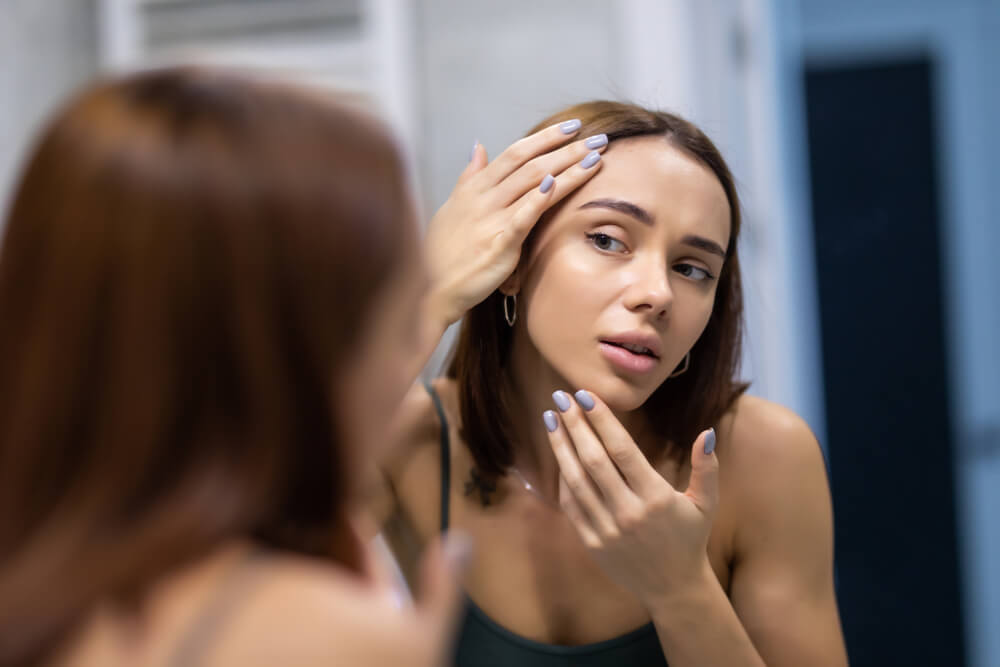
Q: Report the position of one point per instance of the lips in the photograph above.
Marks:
(626, 361)
(632, 352)
(635, 349)
(636, 342)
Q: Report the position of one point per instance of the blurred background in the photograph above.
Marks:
(864, 140)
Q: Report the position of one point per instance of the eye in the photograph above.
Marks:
(693, 272)
(606, 243)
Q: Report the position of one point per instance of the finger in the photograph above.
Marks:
(522, 150)
(592, 454)
(639, 474)
(578, 481)
(443, 564)
(531, 173)
(703, 488)
(530, 207)
(571, 508)
(477, 160)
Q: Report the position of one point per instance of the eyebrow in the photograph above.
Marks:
(622, 206)
(702, 243)
(643, 216)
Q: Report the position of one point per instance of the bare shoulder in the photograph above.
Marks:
(772, 468)
(768, 455)
(282, 609)
(305, 612)
(757, 435)
(771, 465)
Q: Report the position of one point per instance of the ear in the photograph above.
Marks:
(512, 285)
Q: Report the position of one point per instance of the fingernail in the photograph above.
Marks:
(596, 141)
(457, 549)
(570, 126)
(585, 400)
(710, 441)
(472, 153)
(562, 400)
(590, 160)
(551, 421)
(547, 183)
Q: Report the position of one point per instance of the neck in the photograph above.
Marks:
(531, 382)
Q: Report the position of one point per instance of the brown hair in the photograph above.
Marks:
(681, 407)
(186, 261)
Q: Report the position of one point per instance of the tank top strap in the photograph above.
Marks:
(445, 454)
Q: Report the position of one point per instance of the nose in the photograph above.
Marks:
(649, 290)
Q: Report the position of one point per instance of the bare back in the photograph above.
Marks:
(238, 607)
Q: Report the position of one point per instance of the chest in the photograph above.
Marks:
(530, 572)
(532, 575)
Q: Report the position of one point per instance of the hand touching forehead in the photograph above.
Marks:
(648, 181)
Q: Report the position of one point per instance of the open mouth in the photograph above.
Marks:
(629, 358)
(633, 348)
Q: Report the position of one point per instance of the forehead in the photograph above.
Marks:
(678, 190)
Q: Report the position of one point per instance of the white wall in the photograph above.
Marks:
(491, 70)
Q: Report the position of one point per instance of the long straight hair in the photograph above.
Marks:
(184, 265)
(681, 407)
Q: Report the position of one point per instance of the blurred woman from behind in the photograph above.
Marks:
(208, 284)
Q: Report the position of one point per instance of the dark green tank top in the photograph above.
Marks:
(481, 642)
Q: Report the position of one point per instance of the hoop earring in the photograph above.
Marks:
(510, 309)
(684, 366)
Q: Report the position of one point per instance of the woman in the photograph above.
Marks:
(629, 503)
(197, 268)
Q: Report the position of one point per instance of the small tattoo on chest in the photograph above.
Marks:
(485, 487)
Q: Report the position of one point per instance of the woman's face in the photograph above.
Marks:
(630, 259)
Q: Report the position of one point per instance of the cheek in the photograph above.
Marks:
(563, 298)
(690, 317)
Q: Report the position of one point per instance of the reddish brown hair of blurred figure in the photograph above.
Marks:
(180, 278)
(681, 407)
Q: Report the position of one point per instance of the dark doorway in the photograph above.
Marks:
(876, 222)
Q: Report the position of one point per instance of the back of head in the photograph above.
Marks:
(680, 408)
(184, 265)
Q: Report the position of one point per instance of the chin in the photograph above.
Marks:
(620, 394)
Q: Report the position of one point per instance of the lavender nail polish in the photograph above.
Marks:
(596, 141)
(590, 160)
(585, 400)
(561, 399)
(570, 126)
(547, 183)
(710, 441)
(551, 421)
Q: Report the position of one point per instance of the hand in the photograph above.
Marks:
(473, 242)
(647, 536)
